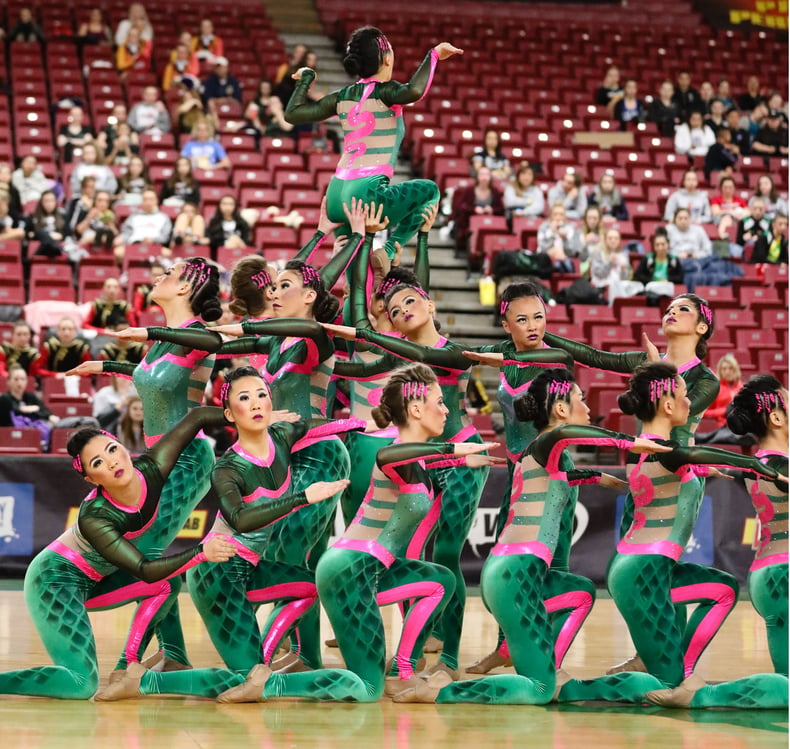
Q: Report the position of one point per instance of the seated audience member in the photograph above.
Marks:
(92, 165)
(183, 62)
(490, 155)
(220, 85)
(724, 94)
(754, 225)
(716, 118)
(592, 229)
(190, 110)
(740, 138)
(686, 97)
(99, 228)
(694, 137)
(663, 110)
(141, 301)
(106, 138)
(727, 208)
(108, 399)
(522, 196)
(479, 199)
(62, 351)
(771, 139)
(609, 264)
(560, 240)
(688, 240)
(133, 183)
(659, 266)
(207, 45)
(264, 115)
(9, 192)
(20, 408)
(133, 54)
(189, 228)
(774, 202)
(77, 208)
(29, 180)
(25, 29)
(608, 199)
(11, 229)
(629, 108)
(722, 155)
(227, 228)
(753, 120)
(771, 247)
(777, 103)
(181, 186)
(94, 30)
(706, 95)
(130, 425)
(150, 115)
(137, 17)
(74, 135)
(119, 349)
(729, 373)
(124, 148)
(570, 193)
(47, 226)
(109, 310)
(748, 100)
(148, 225)
(292, 64)
(203, 151)
(691, 198)
(610, 91)
(19, 350)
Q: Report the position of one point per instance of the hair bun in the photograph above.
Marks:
(382, 416)
(526, 407)
(212, 310)
(628, 402)
(239, 307)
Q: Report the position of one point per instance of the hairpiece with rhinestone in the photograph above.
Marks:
(706, 313)
(659, 388)
(384, 45)
(309, 275)
(261, 279)
(414, 390)
(769, 401)
(560, 387)
(224, 392)
(503, 305)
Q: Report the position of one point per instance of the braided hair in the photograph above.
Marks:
(752, 405)
(649, 383)
(365, 52)
(326, 305)
(406, 384)
(203, 276)
(248, 282)
(544, 391)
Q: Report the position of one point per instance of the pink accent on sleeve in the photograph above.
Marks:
(588, 480)
(552, 464)
(434, 63)
(331, 429)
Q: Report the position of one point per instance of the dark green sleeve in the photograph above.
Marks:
(703, 392)
(198, 339)
(359, 283)
(335, 267)
(301, 109)
(166, 451)
(296, 327)
(245, 345)
(393, 92)
(569, 434)
(307, 251)
(593, 357)
(448, 357)
(245, 517)
(714, 456)
(124, 368)
(399, 461)
(556, 356)
(355, 370)
(583, 476)
(422, 266)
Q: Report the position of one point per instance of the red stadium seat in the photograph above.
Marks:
(25, 441)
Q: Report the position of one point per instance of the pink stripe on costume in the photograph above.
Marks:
(423, 531)
(181, 361)
(246, 554)
(464, 434)
(662, 548)
(374, 548)
(239, 450)
(262, 491)
(74, 557)
(533, 548)
(580, 602)
(687, 366)
(365, 171)
(723, 597)
(507, 387)
(328, 431)
(769, 561)
(434, 62)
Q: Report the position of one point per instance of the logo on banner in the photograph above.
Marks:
(16, 519)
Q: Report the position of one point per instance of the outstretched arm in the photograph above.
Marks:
(448, 357)
(393, 92)
(624, 363)
(714, 456)
(301, 109)
(199, 339)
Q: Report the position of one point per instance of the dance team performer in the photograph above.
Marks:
(644, 572)
(371, 113)
(760, 409)
(369, 567)
(517, 577)
(253, 483)
(61, 578)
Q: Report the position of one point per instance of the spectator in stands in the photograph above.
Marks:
(190, 109)
(264, 115)
(29, 180)
(608, 199)
(119, 349)
(123, 149)
(776, 102)
(771, 247)
(189, 228)
(592, 228)
(727, 208)
(220, 86)
(109, 310)
(774, 202)
(772, 139)
(227, 228)
(133, 183)
(9, 192)
(203, 151)
(610, 91)
(629, 108)
(729, 373)
(740, 138)
(139, 18)
(20, 408)
(686, 239)
(62, 351)
(181, 186)
(183, 62)
(11, 229)
(77, 208)
(94, 30)
(659, 266)
(207, 45)
(570, 193)
(107, 401)
(133, 54)
(754, 225)
(130, 425)
(146, 226)
(609, 263)
(141, 301)
(754, 120)
(522, 196)
(686, 97)
(150, 115)
(25, 29)
(694, 137)
(689, 197)
(99, 229)
(47, 226)
(560, 240)
(706, 95)
(722, 156)
(664, 111)
(106, 138)
(752, 97)
(293, 64)
(482, 198)
(490, 155)
(19, 350)
(716, 119)
(92, 164)
(724, 94)
(74, 135)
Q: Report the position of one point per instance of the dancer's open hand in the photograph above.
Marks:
(445, 50)
(322, 490)
(219, 549)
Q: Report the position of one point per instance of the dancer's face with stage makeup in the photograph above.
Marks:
(107, 463)
(682, 318)
(525, 322)
(681, 405)
(573, 411)
(432, 412)
(409, 311)
(168, 285)
(249, 405)
(290, 297)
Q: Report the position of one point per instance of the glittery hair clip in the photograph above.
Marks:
(414, 390)
(503, 305)
(224, 392)
(384, 45)
(386, 285)
(77, 461)
(706, 313)
(660, 388)
(261, 279)
(560, 387)
(767, 402)
(309, 275)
